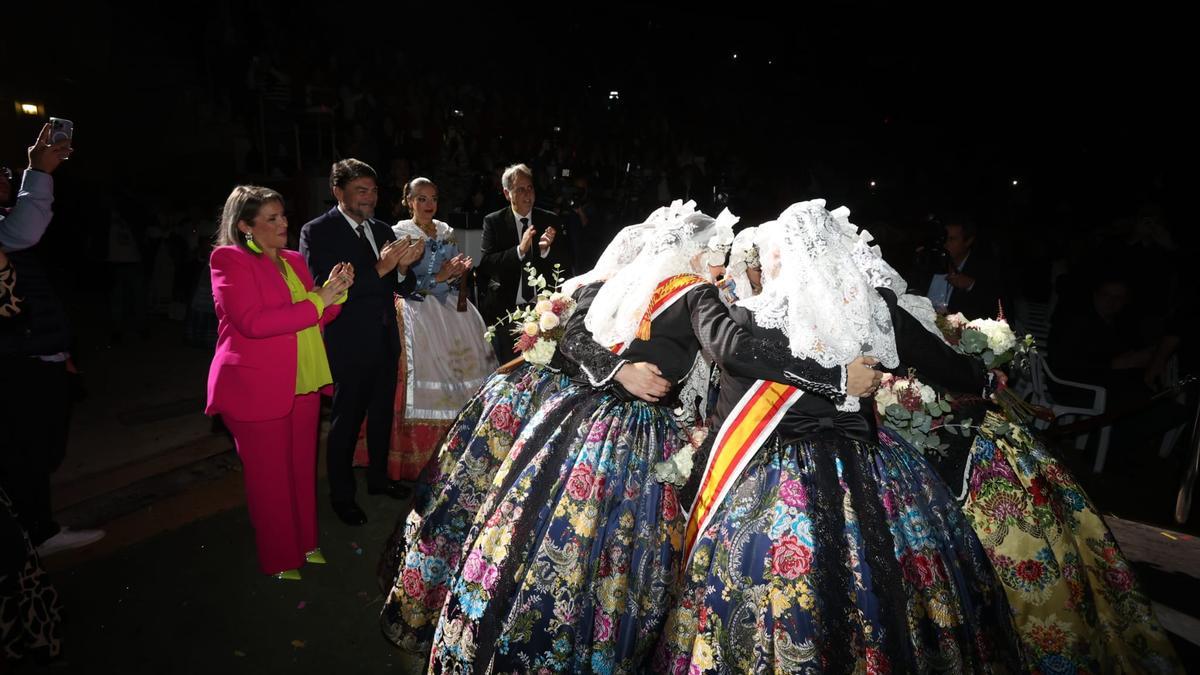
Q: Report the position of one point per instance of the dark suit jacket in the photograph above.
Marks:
(499, 270)
(981, 301)
(370, 307)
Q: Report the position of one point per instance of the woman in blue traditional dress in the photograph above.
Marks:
(577, 550)
(444, 358)
(414, 571)
(813, 548)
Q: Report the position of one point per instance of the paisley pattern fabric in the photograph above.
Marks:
(572, 567)
(1075, 596)
(427, 545)
(836, 555)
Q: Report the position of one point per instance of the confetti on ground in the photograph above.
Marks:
(301, 605)
(1169, 536)
(298, 644)
(238, 652)
(358, 551)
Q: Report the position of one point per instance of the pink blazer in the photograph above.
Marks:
(253, 373)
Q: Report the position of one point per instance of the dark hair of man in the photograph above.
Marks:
(348, 170)
(969, 229)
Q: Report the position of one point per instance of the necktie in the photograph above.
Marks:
(362, 236)
(526, 292)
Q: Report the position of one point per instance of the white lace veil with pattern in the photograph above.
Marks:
(680, 236)
(743, 255)
(819, 279)
(621, 251)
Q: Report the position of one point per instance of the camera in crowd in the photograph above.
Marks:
(930, 256)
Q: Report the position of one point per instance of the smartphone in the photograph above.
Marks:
(61, 130)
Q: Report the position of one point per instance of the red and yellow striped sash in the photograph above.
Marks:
(665, 294)
(743, 432)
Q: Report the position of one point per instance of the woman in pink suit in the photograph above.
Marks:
(268, 370)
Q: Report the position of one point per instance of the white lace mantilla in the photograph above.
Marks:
(819, 279)
(743, 254)
(622, 250)
(680, 235)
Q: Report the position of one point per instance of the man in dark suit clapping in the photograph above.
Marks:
(510, 236)
(363, 344)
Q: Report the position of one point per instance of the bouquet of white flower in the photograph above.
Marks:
(995, 343)
(539, 327)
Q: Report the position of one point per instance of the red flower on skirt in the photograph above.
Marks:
(502, 417)
(790, 558)
(413, 585)
(1030, 570)
(579, 485)
(670, 503)
(917, 570)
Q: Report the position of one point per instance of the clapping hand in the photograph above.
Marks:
(411, 254)
(546, 240)
(399, 254)
(526, 241)
(453, 268)
(341, 278)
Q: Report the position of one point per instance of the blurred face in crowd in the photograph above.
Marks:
(423, 203)
(1110, 299)
(754, 274)
(358, 198)
(269, 227)
(520, 195)
(5, 187)
(957, 245)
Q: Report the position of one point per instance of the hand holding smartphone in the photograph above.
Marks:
(53, 145)
(61, 130)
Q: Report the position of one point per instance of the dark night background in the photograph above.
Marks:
(1056, 131)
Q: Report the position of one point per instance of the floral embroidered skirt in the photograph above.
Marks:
(427, 545)
(573, 565)
(1076, 599)
(834, 556)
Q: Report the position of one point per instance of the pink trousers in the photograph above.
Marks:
(280, 461)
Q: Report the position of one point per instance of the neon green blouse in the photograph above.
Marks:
(312, 365)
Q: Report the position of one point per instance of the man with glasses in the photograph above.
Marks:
(510, 236)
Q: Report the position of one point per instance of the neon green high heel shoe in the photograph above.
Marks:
(288, 575)
(315, 557)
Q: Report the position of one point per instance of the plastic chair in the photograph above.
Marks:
(1040, 372)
